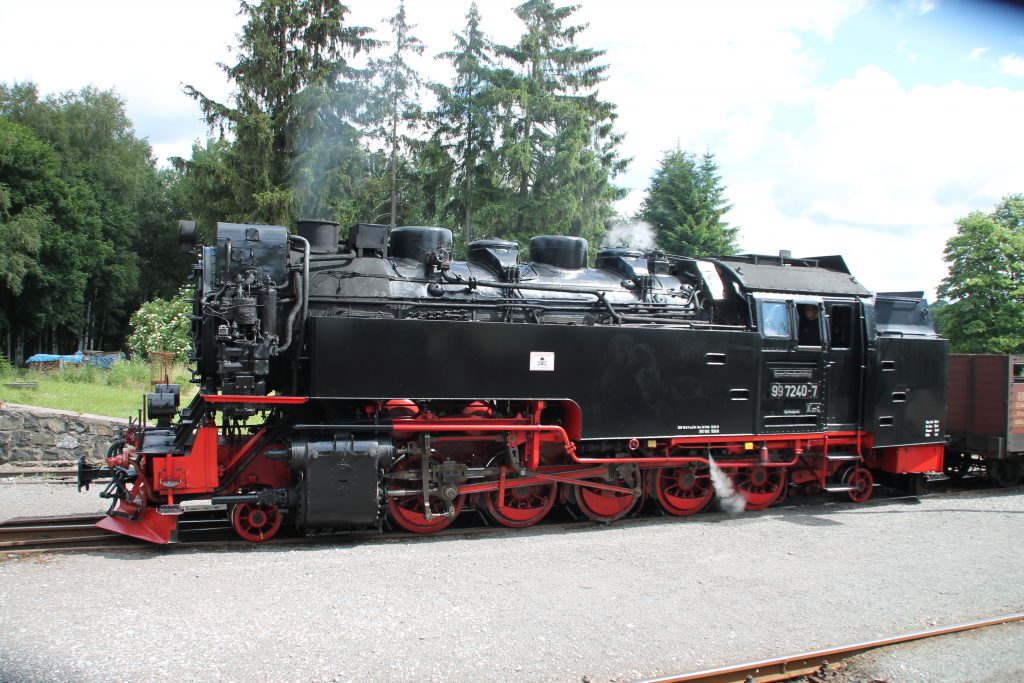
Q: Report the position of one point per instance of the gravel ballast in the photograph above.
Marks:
(631, 600)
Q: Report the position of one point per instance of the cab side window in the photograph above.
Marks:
(809, 333)
(775, 322)
(841, 327)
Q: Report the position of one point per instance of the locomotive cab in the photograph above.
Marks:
(809, 315)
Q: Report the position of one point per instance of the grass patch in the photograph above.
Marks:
(118, 392)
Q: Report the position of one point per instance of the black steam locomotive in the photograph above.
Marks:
(376, 381)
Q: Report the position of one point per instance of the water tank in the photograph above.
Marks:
(560, 251)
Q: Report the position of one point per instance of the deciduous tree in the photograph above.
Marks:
(92, 180)
(985, 284)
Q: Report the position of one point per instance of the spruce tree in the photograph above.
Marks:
(397, 97)
(685, 205)
(290, 78)
(558, 148)
(463, 126)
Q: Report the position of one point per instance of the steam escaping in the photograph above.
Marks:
(637, 235)
(729, 499)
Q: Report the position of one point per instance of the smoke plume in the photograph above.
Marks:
(637, 235)
(729, 499)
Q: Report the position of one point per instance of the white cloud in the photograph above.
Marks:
(921, 6)
(1012, 65)
(144, 50)
(866, 167)
(678, 80)
(883, 172)
(906, 260)
(912, 57)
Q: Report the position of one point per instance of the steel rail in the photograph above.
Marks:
(23, 535)
(198, 523)
(789, 667)
(42, 472)
(42, 534)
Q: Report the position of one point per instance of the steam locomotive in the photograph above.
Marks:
(374, 381)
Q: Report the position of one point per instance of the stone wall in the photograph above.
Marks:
(32, 437)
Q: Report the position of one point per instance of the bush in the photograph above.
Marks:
(130, 374)
(137, 374)
(161, 325)
(78, 374)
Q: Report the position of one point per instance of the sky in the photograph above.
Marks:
(840, 126)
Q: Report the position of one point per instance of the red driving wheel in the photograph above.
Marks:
(409, 513)
(682, 491)
(255, 523)
(522, 506)
(760, 485)
(602, 505)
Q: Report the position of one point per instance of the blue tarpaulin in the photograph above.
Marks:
(104, 361)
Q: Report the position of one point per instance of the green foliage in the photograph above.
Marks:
(137, 373)
(290, 78)
(396, 99)
(28, 186)
(117, 392)
(155, 242)
(985, 284)
(685, 205)
(134, 372)
(80, 203)
(79, 374)
(458, 161)
(558, 149)
(162, 325)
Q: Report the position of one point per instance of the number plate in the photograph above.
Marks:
(804, 390)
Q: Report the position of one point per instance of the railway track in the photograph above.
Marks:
(210, 527)
(71, 533)
(50, 473)
(42, 534)
(815, 664)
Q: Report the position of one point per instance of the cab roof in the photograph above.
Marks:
(816, 275)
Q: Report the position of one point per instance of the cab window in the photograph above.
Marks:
(775, 321)
(840, 327)
(809, 332)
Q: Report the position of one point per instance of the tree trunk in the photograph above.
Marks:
(469, 208)
(394, 163)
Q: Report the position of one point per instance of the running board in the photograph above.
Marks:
(842, 456)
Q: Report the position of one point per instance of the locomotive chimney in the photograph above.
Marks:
(321, 235)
